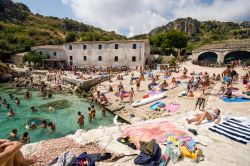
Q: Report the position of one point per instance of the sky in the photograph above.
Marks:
(133, 17)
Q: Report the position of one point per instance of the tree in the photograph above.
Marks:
(177, 39)
(71, 37)
(35, 57)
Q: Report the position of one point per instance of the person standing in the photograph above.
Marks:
(131, 95)
(89, 114)
(80, 119)
(93, 111)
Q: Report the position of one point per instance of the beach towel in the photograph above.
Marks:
(234, 130)
(235, 99)
(125, 94)
(172, 107)
(156, 105)
(148, 131)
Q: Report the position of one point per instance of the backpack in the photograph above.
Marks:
(83, 160)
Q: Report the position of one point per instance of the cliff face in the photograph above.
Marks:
(188, 25)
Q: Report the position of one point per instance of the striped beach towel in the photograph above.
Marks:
(234, 130)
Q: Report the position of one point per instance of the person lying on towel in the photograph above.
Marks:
(212, 116)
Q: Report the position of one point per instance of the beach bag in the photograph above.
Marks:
(172, 151)
(83, 160)
(64, 159)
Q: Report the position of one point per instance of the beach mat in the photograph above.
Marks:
(172, 107)
(235, 99)
(156, 105)
(234, 130)
(125, 94)
(152, 130)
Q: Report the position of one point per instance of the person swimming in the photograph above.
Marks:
(17, 101)
(33, 109)
(51, 109)
(27, 95)
(4, 102)
(13, 135)
(44, 124)
(52, 127)
(11, 96)
(25, 138)
(11, 113)
(31, 125)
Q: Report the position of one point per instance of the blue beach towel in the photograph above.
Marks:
(157, 104)
(235, 99)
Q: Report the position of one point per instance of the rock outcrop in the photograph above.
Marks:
(188, 25)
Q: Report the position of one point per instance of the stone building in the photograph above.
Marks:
(223, 52)
(98, 53)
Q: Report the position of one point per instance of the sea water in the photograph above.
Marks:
(64, 117)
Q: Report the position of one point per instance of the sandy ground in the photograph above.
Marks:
(219, 150)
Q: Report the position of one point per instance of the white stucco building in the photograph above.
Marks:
(99, 53)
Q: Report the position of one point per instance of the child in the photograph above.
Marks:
(25, 139)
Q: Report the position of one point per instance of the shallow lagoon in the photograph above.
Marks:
(66, 108)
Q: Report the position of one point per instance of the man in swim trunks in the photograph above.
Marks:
(90, 114)
(210, 116)
(80, 119)
(93, 111)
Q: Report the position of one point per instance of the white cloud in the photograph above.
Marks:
(140, 16)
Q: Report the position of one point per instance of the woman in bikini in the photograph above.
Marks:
(213, 116)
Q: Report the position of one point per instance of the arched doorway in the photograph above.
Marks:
(210, 57)
(236, 55)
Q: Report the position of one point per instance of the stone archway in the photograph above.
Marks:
(236, 55)
(210, 57)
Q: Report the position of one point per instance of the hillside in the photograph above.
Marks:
(20, 29)
(204, 32)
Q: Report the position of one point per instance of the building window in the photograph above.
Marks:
(100, 58)
(84, 47)
(116, 46)
(100, 46)
(116, 58)
(71, 58)
(71, 63)
(70, 47)
(54, 53)
(134, 46)
(40, 52)
(84, 58)
(133, 58)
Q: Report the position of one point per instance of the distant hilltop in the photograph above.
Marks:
(192, 26)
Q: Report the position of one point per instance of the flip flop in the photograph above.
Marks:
(193, 131)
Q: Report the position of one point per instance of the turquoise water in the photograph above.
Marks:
(66, 108)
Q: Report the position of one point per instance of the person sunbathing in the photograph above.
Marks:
(10, 154)
(213, 116)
